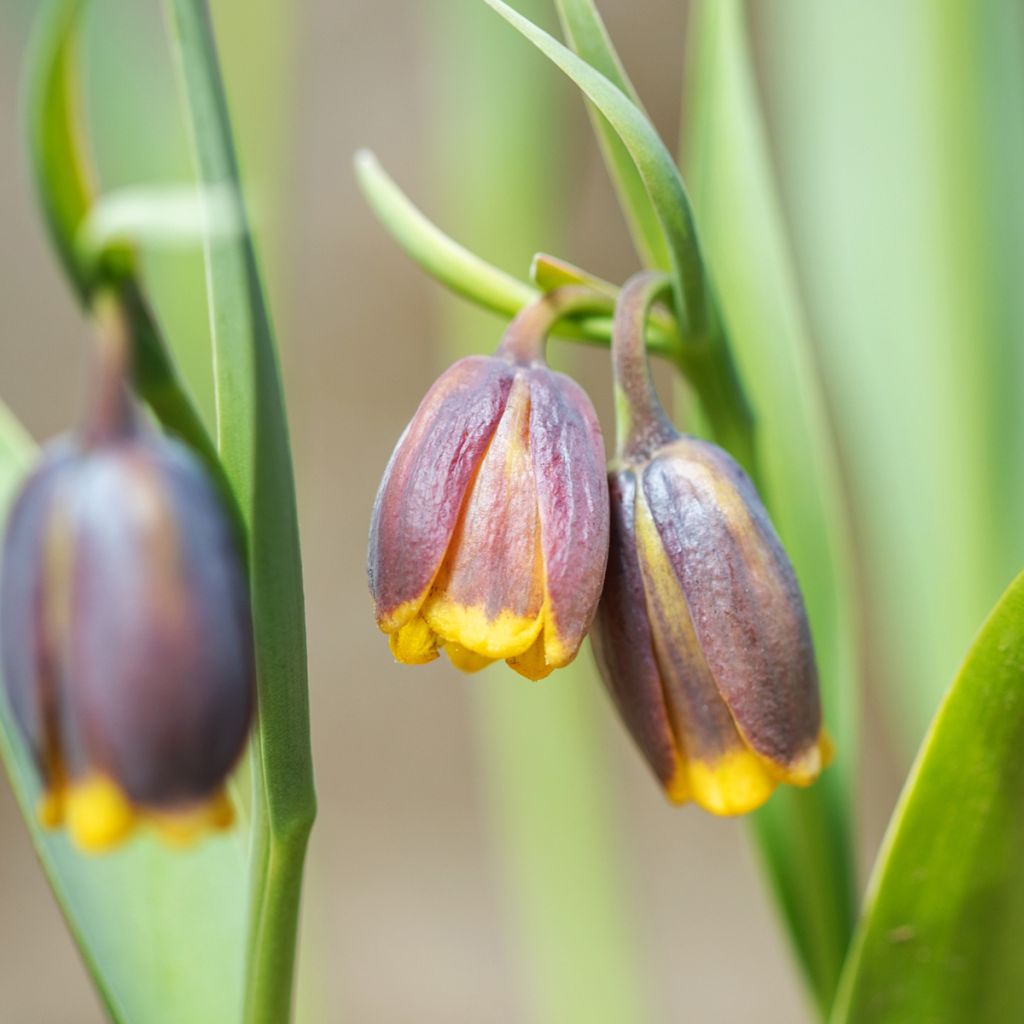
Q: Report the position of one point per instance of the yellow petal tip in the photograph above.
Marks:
(466, 660)
(99, 816)
(734, 784)
(414, 643)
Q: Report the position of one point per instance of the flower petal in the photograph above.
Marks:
(424, 488)
(572, 503)
(748, 614)
(715, 767)
(622, 638)
(160, 647)
(488, 596)
(28, 664)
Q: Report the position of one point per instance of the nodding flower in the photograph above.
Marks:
(701, 636)
(489, 535)
(125, 627)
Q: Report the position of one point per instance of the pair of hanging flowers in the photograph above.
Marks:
(497, 535)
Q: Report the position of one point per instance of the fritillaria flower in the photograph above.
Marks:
(126, 631)
(490, 529)
(701, 635)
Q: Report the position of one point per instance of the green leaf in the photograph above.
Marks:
(474, 278)
(53, 121)
(452, 264)
(252, 432)
(805, 836)
(66, 192)
(160, 930)
(654, 164)
(587, 35)
(704, 355)
(941, 934)
(903, 156)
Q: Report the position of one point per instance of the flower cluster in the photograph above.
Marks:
(497, 535)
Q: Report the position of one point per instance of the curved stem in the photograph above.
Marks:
(112, 413)
(524, 339)
(64, 178)
(641, 424)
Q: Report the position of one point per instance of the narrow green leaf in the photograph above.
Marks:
(455, 266)
(253, 440)
(587, 35)
(804, 836)
(54, 125)
(160, 930)
(704, 356)
(474, 278)
(653, 162)
(941, 934)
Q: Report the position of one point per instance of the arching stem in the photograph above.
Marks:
(641, 424)
(525, 338)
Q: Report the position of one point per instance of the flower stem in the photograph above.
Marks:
(641, 424)
(525, 337)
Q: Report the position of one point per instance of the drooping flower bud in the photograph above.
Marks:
(701, 635)
(126, 631)
(490, 530)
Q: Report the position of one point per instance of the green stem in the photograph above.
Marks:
(66, 191)
(253, 440)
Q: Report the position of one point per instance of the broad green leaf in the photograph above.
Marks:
(587, 35)
(252, 433)
(941, 935)
(804, 835)
(160, 930)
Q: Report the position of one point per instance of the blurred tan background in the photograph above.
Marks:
(406, 914)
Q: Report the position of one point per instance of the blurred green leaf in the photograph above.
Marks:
(252, 433)
(901, 147)
(159, 929)
(587, 35)
(805, 836)
(66, 192)
(941, 934)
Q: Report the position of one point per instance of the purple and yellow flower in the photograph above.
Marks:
(490, 530)
(126, 634)
(701, 635)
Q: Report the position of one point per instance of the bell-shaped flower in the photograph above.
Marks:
(701, 635)
(490, 530)
(126, 631)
